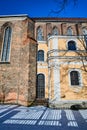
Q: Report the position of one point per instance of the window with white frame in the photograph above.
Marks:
(6, 44)
(40, 34)
(40, 55)
(40, 89)
(84, 31)
(55, 31)
(75, 77)
(71, 45)
(69, 31)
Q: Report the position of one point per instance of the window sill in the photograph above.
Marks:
(4, 62)
(41, 41)
(76, 88)
(42, 62)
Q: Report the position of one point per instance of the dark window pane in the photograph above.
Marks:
(85, 38)
(74, 76)
(71, 45)
(40, 34)
(40, 91)
(6, 44)
(55, 31)
(40, 56)
(69, 31)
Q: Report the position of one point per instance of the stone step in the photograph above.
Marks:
(43, 102)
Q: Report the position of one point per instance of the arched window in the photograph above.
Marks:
(48, 35)
(6, 44)
(40, 34)
(40, 55)
(71, 45)
(55, 31)
(69, 31)
(74, 77)
(40, 89)
(84, 31)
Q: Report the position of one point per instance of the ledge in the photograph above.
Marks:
(4, 62)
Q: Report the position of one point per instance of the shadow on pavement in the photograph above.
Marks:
(41, 118)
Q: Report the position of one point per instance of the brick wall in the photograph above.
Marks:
(15, 86)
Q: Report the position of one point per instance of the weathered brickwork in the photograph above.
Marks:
(15, 83)
(41, 61)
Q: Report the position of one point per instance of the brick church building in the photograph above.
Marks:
(43, 59)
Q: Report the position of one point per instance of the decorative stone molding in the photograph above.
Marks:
(76, 88)
(42, 67)
(56, 69)
(67, 37)
(42, 42)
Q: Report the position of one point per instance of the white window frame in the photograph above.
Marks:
(3, 44)
(80, 78)
(75, 43)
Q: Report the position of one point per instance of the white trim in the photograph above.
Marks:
(46, 85)
(41, 62)
(55, 43)
(3, 44)
(44, 76)
(66, 37)
(78, 101)
(52, 37)
(56, 71)
(57, 82)
(75, 40)
(73, 63)
(41, 42)
(68, 63)
(12, 18)
(80, 79)
(70, 27)
(42, 67)
(44, 55)
(10, 45)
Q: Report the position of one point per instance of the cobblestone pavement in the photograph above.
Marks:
(13, 117)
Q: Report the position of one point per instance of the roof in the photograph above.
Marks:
(58, 19)
(48, 19)
(18, 15)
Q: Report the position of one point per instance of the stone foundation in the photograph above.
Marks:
(68, 104)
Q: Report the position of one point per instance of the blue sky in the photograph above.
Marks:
(41, 8)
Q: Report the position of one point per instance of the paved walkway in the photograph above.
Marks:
(13, 117)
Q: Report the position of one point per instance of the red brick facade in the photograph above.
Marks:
(18, 76)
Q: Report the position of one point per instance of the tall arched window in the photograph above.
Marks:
(69, 31)
(55, 31)
(71, 45)
(40, 89)
(48, 35)
(74, 77)
(40, 55)
(84, 31)
(6, 44)
(40, 34)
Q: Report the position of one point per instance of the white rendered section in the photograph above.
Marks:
(55, 43)
(56, 72)
(49, 84)
(57, 82)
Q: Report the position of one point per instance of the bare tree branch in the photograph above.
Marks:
(62, 5)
